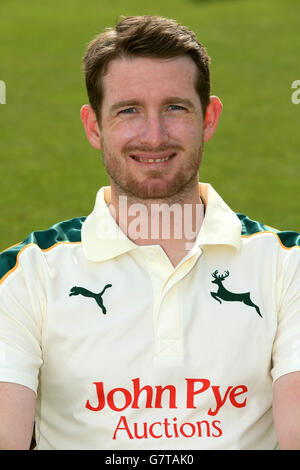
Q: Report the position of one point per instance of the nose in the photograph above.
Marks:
(154, 132)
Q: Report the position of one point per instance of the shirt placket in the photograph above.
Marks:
(167, 310)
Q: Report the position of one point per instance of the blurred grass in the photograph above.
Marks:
(49, 171)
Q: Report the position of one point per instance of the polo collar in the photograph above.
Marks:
(102, 238)
(221, 226)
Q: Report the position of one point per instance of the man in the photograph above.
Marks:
(163, 320)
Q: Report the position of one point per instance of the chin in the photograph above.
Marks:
(157, 189)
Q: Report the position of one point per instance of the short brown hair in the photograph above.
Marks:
(143, 36)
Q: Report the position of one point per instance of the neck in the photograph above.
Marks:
(172, 223)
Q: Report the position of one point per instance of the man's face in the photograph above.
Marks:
(151, 126)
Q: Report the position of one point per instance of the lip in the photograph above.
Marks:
(152, 158)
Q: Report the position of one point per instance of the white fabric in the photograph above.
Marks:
(178, 368)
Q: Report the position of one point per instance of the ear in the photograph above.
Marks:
(213, 112)
(91, 126)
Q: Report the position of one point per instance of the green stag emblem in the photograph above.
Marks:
(224, 294)
(87, 293)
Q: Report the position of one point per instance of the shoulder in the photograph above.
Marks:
(251, 228)
(68, 231)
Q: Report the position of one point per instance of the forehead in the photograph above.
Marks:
(152, 78)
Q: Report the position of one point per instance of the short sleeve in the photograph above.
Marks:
(21, 308)
(286, 346)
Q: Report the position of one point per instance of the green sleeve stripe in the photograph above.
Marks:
(287, 238)
(66, 231)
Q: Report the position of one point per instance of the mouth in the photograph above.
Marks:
(153, 159)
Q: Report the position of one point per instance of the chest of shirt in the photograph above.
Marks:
(122, 317)
(134, 341)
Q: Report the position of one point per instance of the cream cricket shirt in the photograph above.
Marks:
(126, 352)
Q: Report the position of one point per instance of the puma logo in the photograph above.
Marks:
(87, 293)
(224, 294)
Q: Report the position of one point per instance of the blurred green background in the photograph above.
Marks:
(49, 171)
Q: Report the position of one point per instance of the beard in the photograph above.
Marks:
(155, 185)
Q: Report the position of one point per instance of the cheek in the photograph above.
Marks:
(126, 130)
(187, 133)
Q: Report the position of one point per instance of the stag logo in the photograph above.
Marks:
(224, 294)
(87, 293)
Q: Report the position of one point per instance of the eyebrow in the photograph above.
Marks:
(170, 100)
(123, 104)
(178, 100)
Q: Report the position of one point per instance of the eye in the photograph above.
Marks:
(128, 111)
(176, 107)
